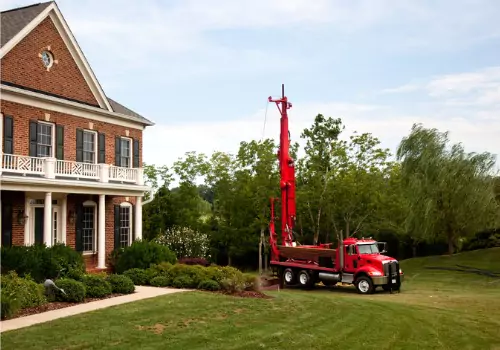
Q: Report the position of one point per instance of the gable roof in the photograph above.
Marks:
(18, 22)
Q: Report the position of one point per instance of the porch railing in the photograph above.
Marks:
(52, 168)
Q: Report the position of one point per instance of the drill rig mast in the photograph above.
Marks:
(287, 182)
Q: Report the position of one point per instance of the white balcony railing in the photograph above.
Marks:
(51, 168)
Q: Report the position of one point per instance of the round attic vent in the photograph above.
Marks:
(47, 59)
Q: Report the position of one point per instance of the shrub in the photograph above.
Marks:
(209, 285)
(161, 269)
(195, 274)
(96, 286)
(25, 290)
(160, 281)
(41, 262)
(141, 254)
(194, 261)
(10, 305)
(184, 241)
(138, 276)
(74, 291)
(220, 273)
(251, 282)
(121, 284)
(182, 281)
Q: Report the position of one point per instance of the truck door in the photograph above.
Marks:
(351, 258)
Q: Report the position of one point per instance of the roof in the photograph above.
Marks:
(13, 21)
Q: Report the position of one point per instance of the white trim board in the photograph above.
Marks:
(21, 183)
(38, 100)
(62, 27)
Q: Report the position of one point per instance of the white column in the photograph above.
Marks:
(138, 218)
(27, 222)
(101, 239)
(47, 220)
(50, 168)
(64, 216)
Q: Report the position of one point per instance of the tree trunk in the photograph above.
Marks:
(228, 260)
(451, 246)
(414, 250)
(260, 249)
(347, 232)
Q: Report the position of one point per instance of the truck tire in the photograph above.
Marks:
(364, 285)
(305, 279)
(289, 276)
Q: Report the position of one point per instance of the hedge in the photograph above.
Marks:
(41, 262)
(141, 255)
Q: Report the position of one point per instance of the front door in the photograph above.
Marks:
(39, 217)
(350, 258)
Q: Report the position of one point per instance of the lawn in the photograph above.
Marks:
(435, 310)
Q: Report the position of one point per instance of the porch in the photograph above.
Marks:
(93, 224)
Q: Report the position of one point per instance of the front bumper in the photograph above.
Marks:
(379, 281)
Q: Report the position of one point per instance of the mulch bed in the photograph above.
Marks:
(247, 294)
(55, 306)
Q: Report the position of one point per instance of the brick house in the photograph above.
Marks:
(70, 157)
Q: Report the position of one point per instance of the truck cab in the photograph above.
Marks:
(366, 267)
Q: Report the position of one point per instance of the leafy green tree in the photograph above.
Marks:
(450, 192)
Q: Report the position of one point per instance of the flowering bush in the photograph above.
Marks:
(186, 242)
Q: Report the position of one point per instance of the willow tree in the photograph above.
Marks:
(450, 192)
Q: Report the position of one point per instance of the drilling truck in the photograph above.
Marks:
(359, 262)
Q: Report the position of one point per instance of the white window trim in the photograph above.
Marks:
(94, 238)
(96, 149)
(53, 137)
(131, 225)
(131, 151)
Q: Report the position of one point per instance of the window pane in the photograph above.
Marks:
(125, 153)
(88, 147)
(44, 140)
(88, 229)
(54, 227)
(124, 226)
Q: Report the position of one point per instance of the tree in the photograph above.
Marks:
(450, 192)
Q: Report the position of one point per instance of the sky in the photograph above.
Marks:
(202, 70)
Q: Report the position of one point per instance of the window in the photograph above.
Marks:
(47, 59)
(88, 227)
(54, 226)
(368, 249)
(125, 153)
(44, 140)
(89, 146)
(125, 224)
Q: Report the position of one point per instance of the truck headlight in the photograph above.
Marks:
(400, 271)
(375, 273)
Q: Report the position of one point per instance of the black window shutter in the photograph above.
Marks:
(6, 224)
(79, 145)
(60, 142)
(79, 228)
(102, 148)
(118, 147)
(33, 138)
(117, 226)
(136, 154)
(8, 135)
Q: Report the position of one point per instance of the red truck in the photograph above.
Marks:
(355, 261)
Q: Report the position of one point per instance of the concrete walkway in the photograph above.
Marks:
(141, 292)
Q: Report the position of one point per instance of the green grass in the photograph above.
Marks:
(435, 310)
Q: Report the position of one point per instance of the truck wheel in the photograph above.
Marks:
(305, 279)
(364, 285)
(289, 276)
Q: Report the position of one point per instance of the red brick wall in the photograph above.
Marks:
(22, 114)
(23, 66)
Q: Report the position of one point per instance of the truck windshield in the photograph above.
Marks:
(368, 249)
